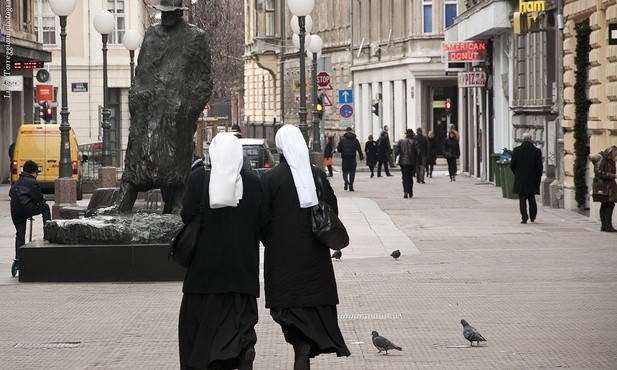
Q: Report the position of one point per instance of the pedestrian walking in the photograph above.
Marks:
(348, 145)
(421, 146)
(527, 167)
(431, 159)
(451, 151)
(26, 201)
(219, 304)
(383, 153)
(328, 153)
(370, 149)
(408, 158)
(300, 286)
(391, 163)
(604, 185)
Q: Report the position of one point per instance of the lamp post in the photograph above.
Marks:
(302, 8)
(132, 41)
(63, 8)
(315, 48)
(104, 23)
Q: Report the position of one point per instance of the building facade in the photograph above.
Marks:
(20, 50)
(385, 51)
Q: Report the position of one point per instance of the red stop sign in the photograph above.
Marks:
(323, 79)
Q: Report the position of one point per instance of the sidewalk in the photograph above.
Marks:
(543, 294)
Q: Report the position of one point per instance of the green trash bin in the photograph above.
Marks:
(507, 180)
(496, 168)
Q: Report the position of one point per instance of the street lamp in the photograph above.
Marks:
(132, 41)
(63, 8)
(104, 24)
(301, 9)
(315, 48)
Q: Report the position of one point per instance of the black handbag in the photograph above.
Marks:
(185, 240)
(326, 225)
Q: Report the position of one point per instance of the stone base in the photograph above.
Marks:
(107, 177)
(42, 261)
(65, 194)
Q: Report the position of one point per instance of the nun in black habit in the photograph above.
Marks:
(219, 307)
(300, 286)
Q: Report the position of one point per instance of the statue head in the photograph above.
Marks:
(171, 12)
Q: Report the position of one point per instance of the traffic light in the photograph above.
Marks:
(319, 107)
(45, 111)
(376, 109)
(448, 106)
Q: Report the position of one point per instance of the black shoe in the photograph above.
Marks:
(524, 221)
(389, 175)
(411, 195)
(406, 195)
(532, 219)
(607, 229)
(345, 187)
(15, 267)
(378, 175)
(372, 175)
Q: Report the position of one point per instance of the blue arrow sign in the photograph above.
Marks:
(345, 96)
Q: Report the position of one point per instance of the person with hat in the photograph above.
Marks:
(26, 201)
(173, 82)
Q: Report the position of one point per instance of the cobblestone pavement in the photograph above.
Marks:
(543, 294)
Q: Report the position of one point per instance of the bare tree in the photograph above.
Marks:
(223, 22)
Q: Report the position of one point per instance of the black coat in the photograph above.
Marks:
(604, 185)
(348, 145)
(298, 269)
(227, 257)
(370, 148)
(527, 167)
(26, 187)
(328, 150)
(384, 148)
(432, 152)
(408, 155)
(451, 146)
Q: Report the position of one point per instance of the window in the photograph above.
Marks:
(449, 12)
(45, 23)
(116, 7)
(427, 18)
(270, 18)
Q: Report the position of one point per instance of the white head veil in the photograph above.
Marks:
(225, 181)
(290, 143)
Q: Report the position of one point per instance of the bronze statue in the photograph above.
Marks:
(173, 83)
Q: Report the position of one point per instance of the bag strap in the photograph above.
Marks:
(318, 184)
(202, 204)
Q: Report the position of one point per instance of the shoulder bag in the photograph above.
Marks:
(185, 240)
(326, 225)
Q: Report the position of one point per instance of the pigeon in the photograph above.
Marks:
(471, 334)
(382, 343)
(337, 255)
(396, 254)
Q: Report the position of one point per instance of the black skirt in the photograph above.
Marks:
(216, 328)
(316, 325)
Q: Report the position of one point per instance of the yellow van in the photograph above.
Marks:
(41, 143)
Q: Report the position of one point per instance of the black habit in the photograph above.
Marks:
(221, 286)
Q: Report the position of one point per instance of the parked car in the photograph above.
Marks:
(258, 153)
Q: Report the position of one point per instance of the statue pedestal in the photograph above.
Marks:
(107, 177)
(65, 193)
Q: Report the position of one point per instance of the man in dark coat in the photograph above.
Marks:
(408, 157)
(383, 153)
(527, 167)
(421, 145)
(348, 145)
(370, 149)
(26, 201)
(173, 83)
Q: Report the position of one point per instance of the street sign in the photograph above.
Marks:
(323, 79)
(346, 111)
(345, 96)
(297, 98)
(44, 92)
(327, 101)
(471, 79)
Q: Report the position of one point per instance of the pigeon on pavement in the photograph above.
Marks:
(396, 254)
(337, 255)
(382, 343)
(471, 334)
